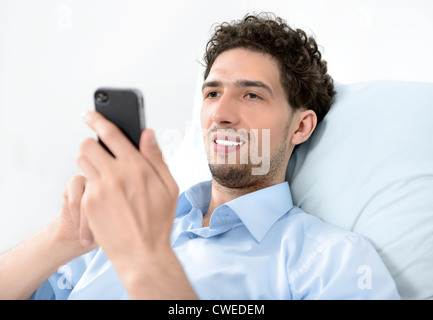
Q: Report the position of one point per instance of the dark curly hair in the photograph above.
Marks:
(303, 72)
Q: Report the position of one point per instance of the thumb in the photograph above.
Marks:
(149, 147)
(151, 152)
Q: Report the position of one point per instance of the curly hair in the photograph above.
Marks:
(304, 74)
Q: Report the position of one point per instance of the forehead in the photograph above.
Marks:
(235, 64)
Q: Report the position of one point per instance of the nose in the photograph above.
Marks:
(226, 112)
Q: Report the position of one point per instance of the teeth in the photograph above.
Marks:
(228, 143)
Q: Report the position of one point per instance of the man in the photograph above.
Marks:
(236, 237)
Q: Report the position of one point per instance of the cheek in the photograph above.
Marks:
(278, 135)
(205, 123)
(265, 141)
(205, 118)
(270, 140)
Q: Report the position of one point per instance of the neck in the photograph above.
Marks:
(221, 195)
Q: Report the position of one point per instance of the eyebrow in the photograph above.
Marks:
(239, 84)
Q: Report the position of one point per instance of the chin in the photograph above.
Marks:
(236, 176)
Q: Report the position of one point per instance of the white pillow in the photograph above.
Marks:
(367, 168)
(188, 164)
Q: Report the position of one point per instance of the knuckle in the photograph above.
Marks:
(77, 180)
(87, 203)
(138, 169)
(114, 181)
(107, 133)
(80, 180)
(74, 201)
(86, 144)
(80, 160)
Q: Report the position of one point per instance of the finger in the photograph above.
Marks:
(88, 169)
(150, 150)
(75, 193)
(86, 236)
(109, 133)
(95, 153)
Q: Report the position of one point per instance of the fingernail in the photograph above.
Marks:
(151, 137)
(85, 115)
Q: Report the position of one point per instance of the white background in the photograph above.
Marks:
(54, 54)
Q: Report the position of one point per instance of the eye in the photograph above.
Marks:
(253, 96)
(212, 94)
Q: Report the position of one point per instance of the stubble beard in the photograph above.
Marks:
(239, 176)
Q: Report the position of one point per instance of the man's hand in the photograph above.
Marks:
(129, 202)
(73, 226)
(26, 266)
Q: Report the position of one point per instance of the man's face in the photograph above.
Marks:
(246, 119)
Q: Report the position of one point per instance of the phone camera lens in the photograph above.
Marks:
(101, 97)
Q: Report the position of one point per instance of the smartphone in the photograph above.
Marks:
(123, 107)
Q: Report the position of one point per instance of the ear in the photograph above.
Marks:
(306, 121)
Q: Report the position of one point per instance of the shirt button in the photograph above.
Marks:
(192, 235)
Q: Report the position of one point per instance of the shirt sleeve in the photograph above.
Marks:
(346, 268)
(60, 285)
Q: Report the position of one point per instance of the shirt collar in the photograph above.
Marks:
(257, 210)
(197, 196)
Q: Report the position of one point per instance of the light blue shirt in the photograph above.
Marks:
(258, 246)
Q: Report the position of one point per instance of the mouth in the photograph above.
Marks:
(223, 143)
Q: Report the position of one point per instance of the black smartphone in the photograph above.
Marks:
(123, 107)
